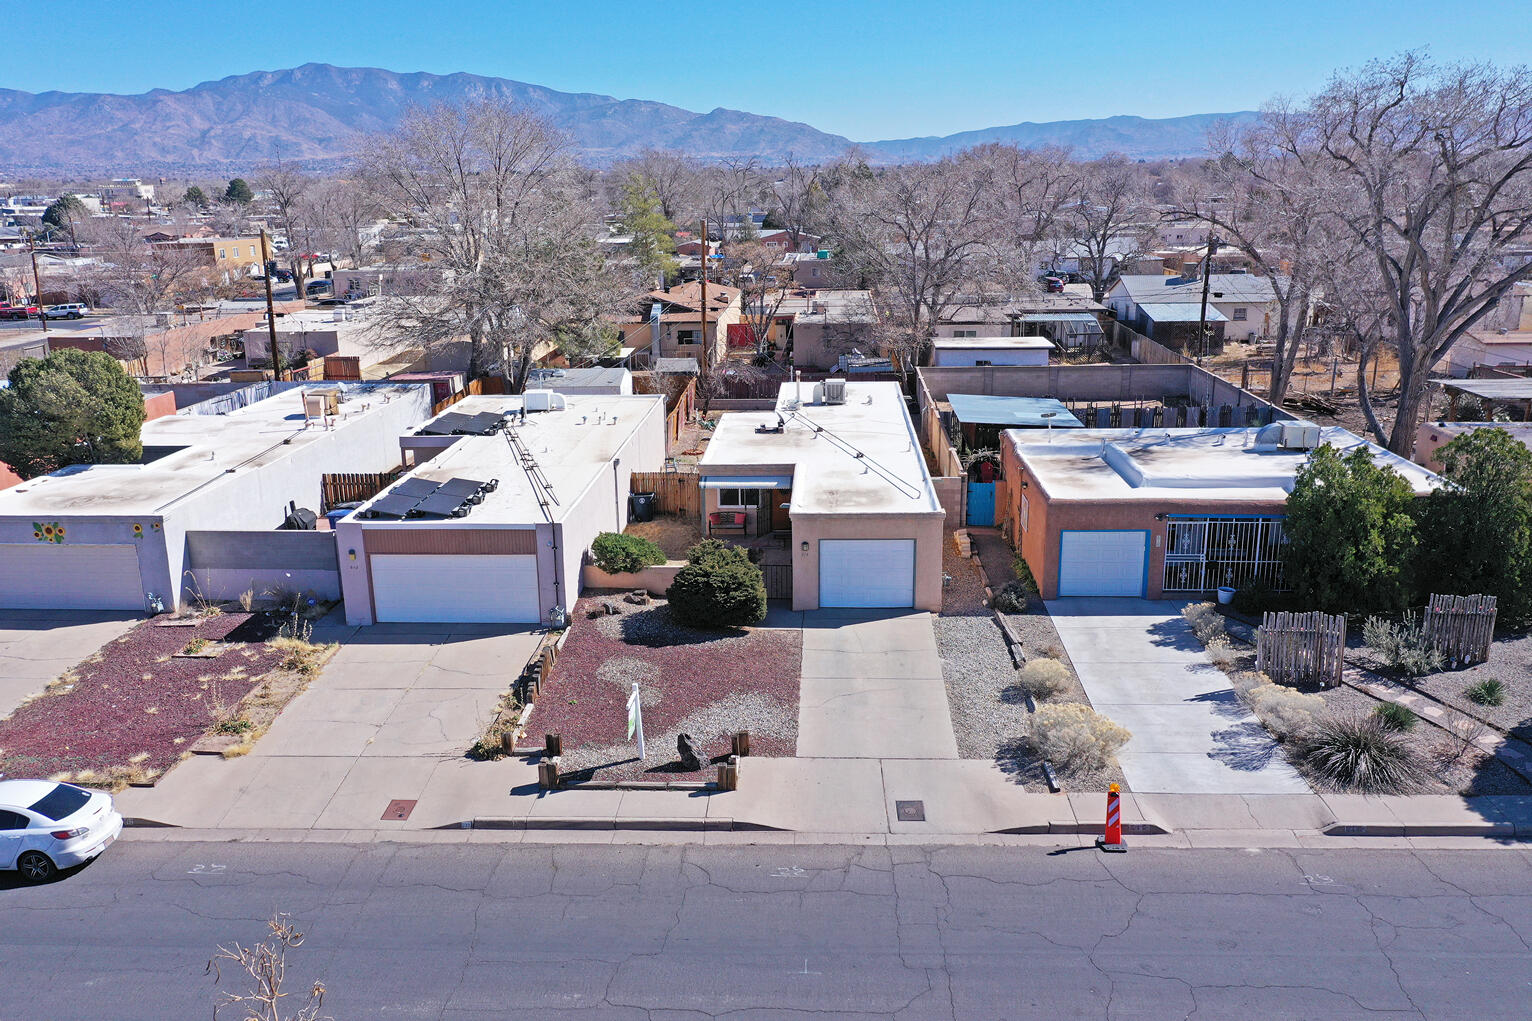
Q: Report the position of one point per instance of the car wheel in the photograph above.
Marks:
(36, 867)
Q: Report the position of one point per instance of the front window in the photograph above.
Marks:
(965, 333)
(1241, 314)
(1205, 553)
(734, 498)
(223, 254)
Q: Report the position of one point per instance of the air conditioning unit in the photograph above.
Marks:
(835, 391)
(542, 400)
(1298, 436)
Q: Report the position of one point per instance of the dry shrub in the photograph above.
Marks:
(1207, 623)
(247, 599)
(1044, 678)
(1286, 712)
(1361, 754)
(1222, 654)
(1075, 737)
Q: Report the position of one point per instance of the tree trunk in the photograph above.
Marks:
(1364, 396)
(1412, 399)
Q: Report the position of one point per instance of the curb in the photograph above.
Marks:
(708, 825)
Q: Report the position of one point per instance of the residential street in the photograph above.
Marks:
(508, 931)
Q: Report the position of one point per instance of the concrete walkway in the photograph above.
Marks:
(1142, 666)
(398, 704)
(38, 645)
(872, 687)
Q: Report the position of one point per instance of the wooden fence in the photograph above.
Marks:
(475, 388)
(1292, 647)
(675, 492)
(1462, 627)
(353, 487)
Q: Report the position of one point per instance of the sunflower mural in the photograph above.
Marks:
(48, 531)
(138, 530)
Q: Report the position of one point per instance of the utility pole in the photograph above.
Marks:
(706, 347)
(1207, 279)
(271, 312)
(37, 285)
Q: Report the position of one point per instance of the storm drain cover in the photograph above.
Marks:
(398, 811)
(910, 811)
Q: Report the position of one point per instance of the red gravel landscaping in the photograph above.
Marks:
(134, 703)
(705, 683)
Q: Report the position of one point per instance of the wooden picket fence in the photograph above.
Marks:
(353, 487)
(1463, 627)
(1294, 647)
(676, 492)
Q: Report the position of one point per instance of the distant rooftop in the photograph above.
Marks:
(982, 409)
(993, 343)
(202, 451)
(1225, 287)
(858, 457)
(1181, 464)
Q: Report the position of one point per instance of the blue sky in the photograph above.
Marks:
(866, 69)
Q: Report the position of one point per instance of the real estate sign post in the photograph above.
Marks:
(636, 719)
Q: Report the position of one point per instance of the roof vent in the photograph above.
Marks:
(835, 391)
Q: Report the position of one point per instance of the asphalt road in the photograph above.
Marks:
(680, 933)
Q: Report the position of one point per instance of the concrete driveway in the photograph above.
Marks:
(1142, 666)
(38, 645)
(872, 687)
(397, 704)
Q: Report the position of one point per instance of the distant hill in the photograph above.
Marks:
(315, 114)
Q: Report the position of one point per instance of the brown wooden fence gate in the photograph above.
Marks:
(1294, 647)
(674, 492)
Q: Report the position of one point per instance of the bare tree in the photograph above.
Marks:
(674, 178)
(1109, 220)
(763, 281)
(918, 234)
(1432, 174)
(264, 965)
(1031, 189)
(1265, 196)
(731, 189)
(290, 192)
(491, 204)
(348, 212)
(796, 197)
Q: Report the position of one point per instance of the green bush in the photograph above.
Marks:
(616, 553)
(1362, 754)
(1255, 599)
(718, 587)
(1490, 692)
(1013, 597)
(1402, 646)
(1395, 716)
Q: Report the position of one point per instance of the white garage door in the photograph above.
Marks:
(455, 588)
(40, 575)
(867, 572)
(1102, 563)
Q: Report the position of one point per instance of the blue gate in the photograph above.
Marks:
(981, 504)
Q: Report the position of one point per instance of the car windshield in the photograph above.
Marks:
(62, 802)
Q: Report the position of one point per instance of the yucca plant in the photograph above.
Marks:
(1362, 754)
(1490, 691)
(1395, 716)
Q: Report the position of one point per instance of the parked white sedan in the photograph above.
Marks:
(47, 826)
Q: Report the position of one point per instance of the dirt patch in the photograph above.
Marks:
(131, 710)
(670, 532)
(708, 684)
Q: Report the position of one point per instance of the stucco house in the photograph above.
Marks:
(668, 323)
(1161, 513)
(205, 505)
(836, 473)
(494, 520)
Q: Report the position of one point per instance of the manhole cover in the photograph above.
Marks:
(910, 811)
(398, 811)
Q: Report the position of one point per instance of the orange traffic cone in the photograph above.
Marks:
(1112, 840)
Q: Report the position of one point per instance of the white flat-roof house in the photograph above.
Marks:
(127, 536)
(505, 497)
(837, 472)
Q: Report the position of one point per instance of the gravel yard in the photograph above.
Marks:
(131, 710)
(1510, 662)
(1455, 768)
(989, 712)
(708, 684)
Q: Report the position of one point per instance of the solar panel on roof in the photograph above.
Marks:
(486, 423)
(468, 489)
(392, 506)
(449, 424)
(416, 487)
(441, 505)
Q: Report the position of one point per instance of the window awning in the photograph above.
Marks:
(1181, 312)
(746, 482)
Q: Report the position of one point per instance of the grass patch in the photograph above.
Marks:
(1488, 692)
(1396, 717)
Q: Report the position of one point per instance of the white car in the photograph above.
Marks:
(47, 826)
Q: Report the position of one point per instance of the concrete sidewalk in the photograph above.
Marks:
(1142, 666)
(872, 687)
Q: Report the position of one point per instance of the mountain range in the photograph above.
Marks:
(314, 115)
